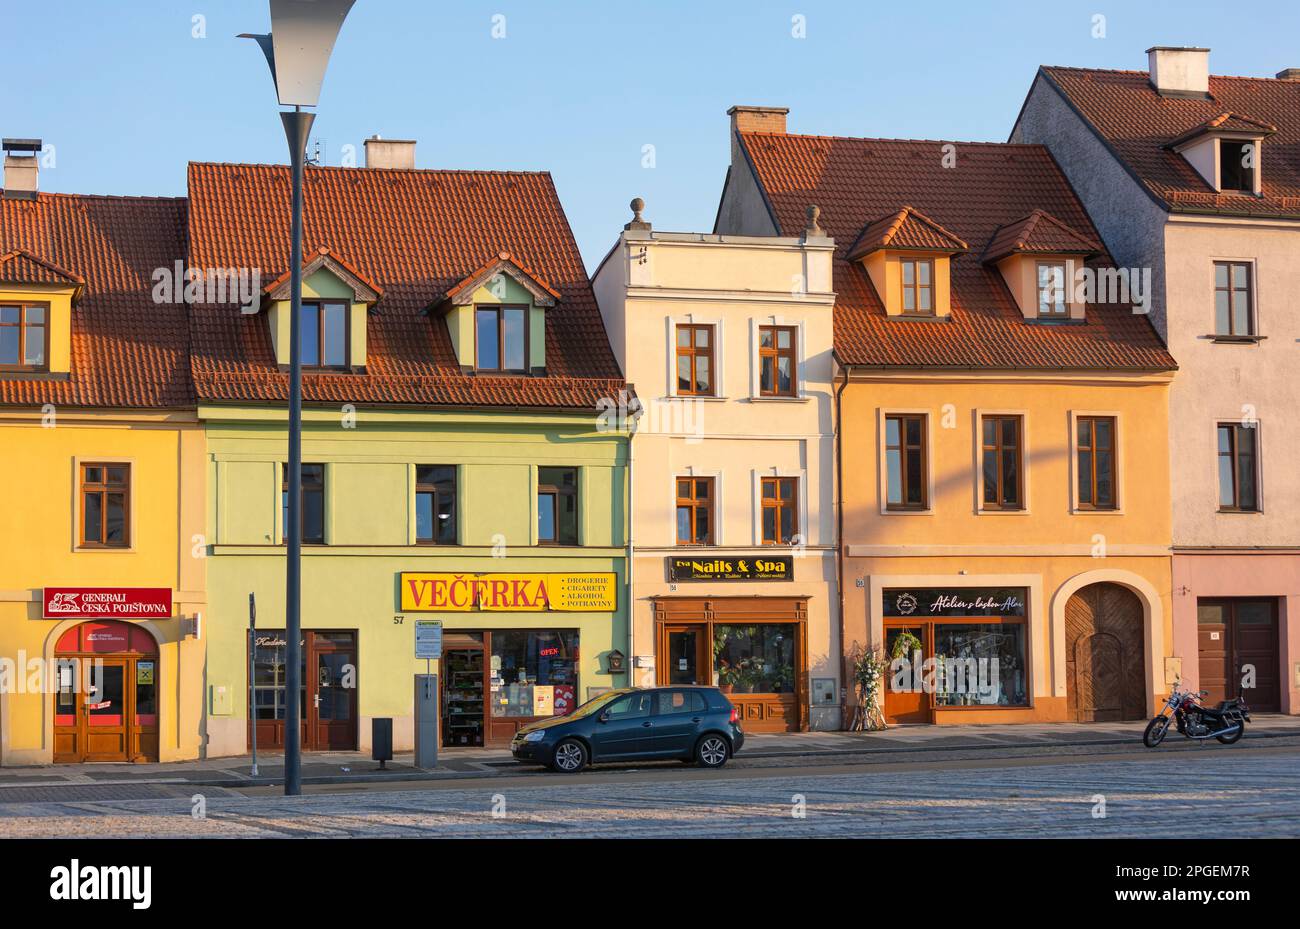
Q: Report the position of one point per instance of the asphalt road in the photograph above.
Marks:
(1122, 793)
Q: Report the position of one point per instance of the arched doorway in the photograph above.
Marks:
(1105, 654)
(106, 702)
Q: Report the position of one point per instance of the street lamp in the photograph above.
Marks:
(297, 50)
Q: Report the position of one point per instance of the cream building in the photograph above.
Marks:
(727, 343)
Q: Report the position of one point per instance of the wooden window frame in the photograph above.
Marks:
(1234, 455)
(903, 448)
(692, 351)
(499, 310)
(1038, 291)
(1091, 449)
(432, 488)
(998, 448)
(302, 509)
(1231, 291)
(694, 503)
(557, 491)
(916, 287)
(318, 306)
(777, 504)
(776, 353)
(103, 488)
(23, 306)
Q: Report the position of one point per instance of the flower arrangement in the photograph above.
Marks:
(869, 669)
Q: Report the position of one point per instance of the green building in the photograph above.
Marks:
(457, 465)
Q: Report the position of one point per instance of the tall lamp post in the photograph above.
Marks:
(297, 50)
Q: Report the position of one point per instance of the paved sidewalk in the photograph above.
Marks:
(355, 767)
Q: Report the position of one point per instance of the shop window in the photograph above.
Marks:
(694, 511)
(905, 465)
(146, 692)
(1002, 478)
(1051, 290)
(918, 285)
(1095, 455)
(776, 361)
(323, 335)
(780, 510)
(24, 337)
(1233, 313)
(756, 658)
(105, 505)
(435, 504)
(269, 679)
(695, 367)
(501, 339)
(1237, 464)
(312, 509)
(533, 673)
(979, 664)
(557, 506)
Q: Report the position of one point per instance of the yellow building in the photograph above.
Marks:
(101, 552)
(1003, 454)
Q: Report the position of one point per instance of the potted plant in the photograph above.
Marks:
(727, 676)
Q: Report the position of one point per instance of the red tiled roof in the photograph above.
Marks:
(479, 276)
(417, 234)
(1139, 124)
(993, 184)
(22, 267)
(907, 229)
(1039, 233)
(127, 350)
(325, 257)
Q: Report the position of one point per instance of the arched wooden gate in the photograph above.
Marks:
(1105, 655)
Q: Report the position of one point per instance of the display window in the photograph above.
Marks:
(755, 658)
(534, 673)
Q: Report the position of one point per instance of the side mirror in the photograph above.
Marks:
(603, 717)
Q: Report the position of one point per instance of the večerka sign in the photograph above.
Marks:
(508, 593)
(957, 601)
(775, 568)
(106, 602)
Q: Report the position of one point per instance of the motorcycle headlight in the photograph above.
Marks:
(535, 736)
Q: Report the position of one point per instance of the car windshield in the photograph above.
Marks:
(597, 703)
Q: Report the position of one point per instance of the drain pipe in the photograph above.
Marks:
(839, 545)
(629, 570)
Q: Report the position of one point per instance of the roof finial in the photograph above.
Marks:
(638, 205)
(814, 229)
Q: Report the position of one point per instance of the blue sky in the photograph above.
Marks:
(577, 88)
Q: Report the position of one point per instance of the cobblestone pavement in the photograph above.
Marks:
(1223, 794)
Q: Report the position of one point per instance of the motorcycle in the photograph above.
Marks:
(1226, 722)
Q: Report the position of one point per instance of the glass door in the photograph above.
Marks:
(905, 698)
(332, 709)
(106, 711)
(688, 658)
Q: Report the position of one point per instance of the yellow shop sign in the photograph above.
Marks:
(508, 593)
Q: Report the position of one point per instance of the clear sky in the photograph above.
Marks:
(127, 94)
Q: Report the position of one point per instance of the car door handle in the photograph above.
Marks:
(648, 725)
(695, 719)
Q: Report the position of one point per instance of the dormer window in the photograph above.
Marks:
(324, 334)
(501, 339)
(24, 337)
(1237, 166)
(1051, 290)
(918, 285)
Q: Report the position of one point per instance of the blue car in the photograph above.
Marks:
(694, 724)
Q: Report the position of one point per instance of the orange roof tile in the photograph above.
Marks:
(1039, 233)
(128, 351)
(993, 184)
(908, 229)
(1139, 125)
(418, 234)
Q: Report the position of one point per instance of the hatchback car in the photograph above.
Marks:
(695, 724)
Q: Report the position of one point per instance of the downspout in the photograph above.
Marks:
(629, 570)
(839, 545)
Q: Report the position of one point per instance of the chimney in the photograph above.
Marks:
(1289, 74)
(758, 118)
(390, 153)
(21, 169)
(1179, 72)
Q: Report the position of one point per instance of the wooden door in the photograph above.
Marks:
(908, 703)
(106, 721)
(332, 691)
(1105, 655)
(688, 658)
(1237, 642)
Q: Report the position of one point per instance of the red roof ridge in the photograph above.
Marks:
(53, 195)
(1147, 74)
(503, 172)
(987, 143)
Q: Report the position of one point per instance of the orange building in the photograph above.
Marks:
(1003, 453)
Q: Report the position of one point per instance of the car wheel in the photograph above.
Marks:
(712, 751)
(570, 757)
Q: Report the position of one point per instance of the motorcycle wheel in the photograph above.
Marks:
(1235, 737)
(1155, 733)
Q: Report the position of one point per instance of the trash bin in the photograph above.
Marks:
(381, 740)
